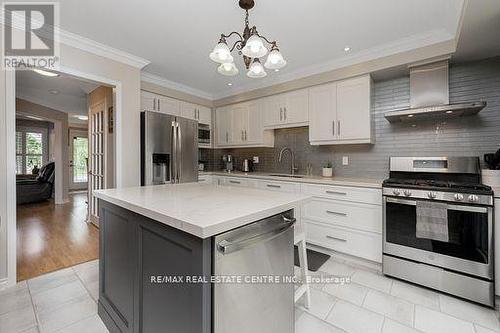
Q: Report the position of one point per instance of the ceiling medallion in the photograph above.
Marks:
(251, 45)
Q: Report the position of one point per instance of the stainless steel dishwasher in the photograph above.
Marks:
(262, 248)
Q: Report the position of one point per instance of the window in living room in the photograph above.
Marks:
(31, 151)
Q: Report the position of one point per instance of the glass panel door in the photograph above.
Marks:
(80, 158)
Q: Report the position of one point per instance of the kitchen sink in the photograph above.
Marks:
(287, 176)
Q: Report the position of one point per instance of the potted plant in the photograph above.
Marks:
(328, 169)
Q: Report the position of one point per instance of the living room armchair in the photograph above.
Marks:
(38, 189)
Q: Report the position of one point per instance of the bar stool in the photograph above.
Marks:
(300, 241)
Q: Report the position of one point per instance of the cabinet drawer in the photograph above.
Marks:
(345, 214)
(233, 181)
(277, 186)
(357, 243)
(205, 179)
(345, 193)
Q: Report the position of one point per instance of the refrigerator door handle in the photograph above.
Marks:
(179, 153)
(173, 166)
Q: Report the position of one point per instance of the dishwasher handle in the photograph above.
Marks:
(227, 247)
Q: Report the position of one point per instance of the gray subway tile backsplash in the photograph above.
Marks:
(468, 136)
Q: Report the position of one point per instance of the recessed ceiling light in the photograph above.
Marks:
(45, 73)
(82, 117)
(54, 91)
(229, 84)
(410, 116)
(347, 49)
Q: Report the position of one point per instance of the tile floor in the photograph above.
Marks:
(372, 302)
(65, 301)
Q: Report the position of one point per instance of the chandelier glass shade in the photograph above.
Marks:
(256, 70)
(228, 69)
(251, 46)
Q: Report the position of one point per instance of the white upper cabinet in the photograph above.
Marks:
(196, 112)
(296, 109)
(287, 110)
(254, 131)
(240, 125)
(148, 101)
(204, 115)
(340, 112)
(223, 122)
(169, 105)
(322, 113)
(159, 103)
(354, 123)
(188, 110)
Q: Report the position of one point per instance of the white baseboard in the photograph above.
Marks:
(4, 283)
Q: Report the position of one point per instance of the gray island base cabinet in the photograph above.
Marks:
(134, 249)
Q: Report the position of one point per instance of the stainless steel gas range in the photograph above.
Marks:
(438, 226)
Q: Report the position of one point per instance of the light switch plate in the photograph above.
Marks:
(345, 160)
(256, 159)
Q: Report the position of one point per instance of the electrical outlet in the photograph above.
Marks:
(345, 160)
(256, 159)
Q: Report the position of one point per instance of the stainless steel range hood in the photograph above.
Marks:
(429, 96)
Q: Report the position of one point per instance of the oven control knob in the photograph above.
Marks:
(407, 193)
(432, 195)
(459, 197)
(473, 198)
(396, 192)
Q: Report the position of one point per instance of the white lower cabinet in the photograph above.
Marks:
(345, 219)
(242, 182)
(367, 245)
(278, 186)
(205, 179)
(352, 215)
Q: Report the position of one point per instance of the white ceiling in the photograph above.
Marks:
(72, 96)
(177, 36)
(479, 34)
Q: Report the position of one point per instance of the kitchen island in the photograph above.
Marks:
(161, 246)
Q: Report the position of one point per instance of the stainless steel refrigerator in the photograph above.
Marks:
(169, 149)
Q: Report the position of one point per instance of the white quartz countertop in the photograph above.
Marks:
(339, 181)
(203, 210)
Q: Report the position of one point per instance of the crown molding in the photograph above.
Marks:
(85, 44)
(89, 45)
(160, 81)
(430, 38)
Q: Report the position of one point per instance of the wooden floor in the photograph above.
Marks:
(51, 237)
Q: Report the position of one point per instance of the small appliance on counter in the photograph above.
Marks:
(247, 165)
(228, 163)
(491, 176)
(493, 160)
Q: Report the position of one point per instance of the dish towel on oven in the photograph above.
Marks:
(432, 221)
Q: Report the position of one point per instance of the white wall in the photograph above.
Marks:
(127, 115)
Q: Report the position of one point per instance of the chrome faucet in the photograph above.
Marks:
(293, 168)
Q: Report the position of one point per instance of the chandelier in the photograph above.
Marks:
(251, 45)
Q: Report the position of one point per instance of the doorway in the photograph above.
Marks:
(78, 164)
(58, 135)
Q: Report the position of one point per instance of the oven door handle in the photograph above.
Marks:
(473, 209)
(402, 201)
